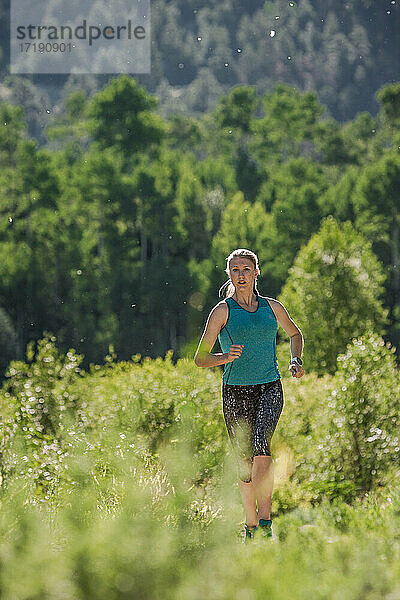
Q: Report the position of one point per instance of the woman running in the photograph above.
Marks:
(246, 325)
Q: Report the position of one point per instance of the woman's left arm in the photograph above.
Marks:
(296, 337)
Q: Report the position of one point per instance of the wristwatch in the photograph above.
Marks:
(297, 361)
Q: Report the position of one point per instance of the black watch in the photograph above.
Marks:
(297, 360)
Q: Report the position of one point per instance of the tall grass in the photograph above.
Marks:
(130, 490)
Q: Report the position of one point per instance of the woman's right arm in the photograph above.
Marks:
(215, 322)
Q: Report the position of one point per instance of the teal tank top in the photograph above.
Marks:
(257, 332)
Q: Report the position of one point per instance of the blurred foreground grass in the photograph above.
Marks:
(119, 483)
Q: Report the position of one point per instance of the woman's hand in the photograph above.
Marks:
(296, 370)
(234, 352)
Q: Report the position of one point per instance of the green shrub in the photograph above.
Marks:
(38, 401)
(151, 402)
(135, 510)
(356, 448)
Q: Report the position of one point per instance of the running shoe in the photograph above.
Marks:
(249, 532)
(265, 526)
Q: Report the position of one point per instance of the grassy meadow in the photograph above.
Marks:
(119, 483)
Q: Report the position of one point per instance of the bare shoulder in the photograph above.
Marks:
(283, 317)
(215, 322)
(275, 305)
(220, 313)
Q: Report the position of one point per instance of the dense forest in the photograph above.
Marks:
(114, 236)
(258, 127)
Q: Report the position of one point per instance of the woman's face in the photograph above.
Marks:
(242, 273)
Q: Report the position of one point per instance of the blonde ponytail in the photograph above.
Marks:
(228, 287)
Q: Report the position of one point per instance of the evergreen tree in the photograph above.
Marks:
(121, 115)
(376, 201)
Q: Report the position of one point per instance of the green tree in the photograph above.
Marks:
(8, 341)
(389, 98)
(338, 199)
(289, 119)
(68, 131)
(292, 193)
(376, 202)
(100, 216)
(12, 130)
(330, 144)
(367, 408)
(193, 213)
(30, 248)
(32, 99)
(243, 225)
(234, 115)
(236, 109)
(162, 281)
(121, 115)
(354, 143)
(361, 140)
(183, 133)
(333, 292)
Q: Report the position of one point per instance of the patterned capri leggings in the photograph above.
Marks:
(251, 414)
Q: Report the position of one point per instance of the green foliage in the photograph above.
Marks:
(243, 225)
(121, 116)
(12, 128)
(333, 292)
(364, 412)
(389, 98)
(144, 500)
(39, 406)
(183, 133)
(290, 117)
(376, 202)
(292, 196)
(330, 143)
(110, 240)
(151, 400)
(70, 128)
(236, 110)
(51, 373)
(359, 138)
(338, 199)
(193, 213)
(8, 340)
(351, 444)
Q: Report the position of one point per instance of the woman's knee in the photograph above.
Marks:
(262, 460)
(262, 464)
(245, 470)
